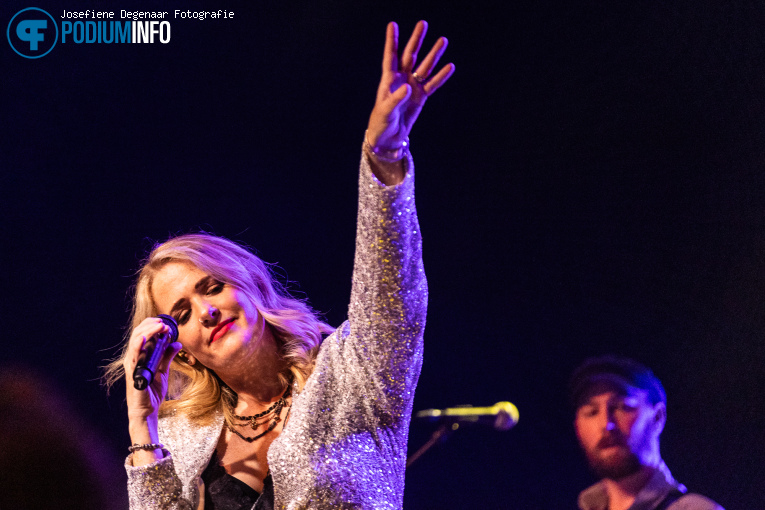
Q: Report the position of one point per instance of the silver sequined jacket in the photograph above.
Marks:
(345, 443)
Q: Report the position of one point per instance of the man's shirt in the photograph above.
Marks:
(659, 490)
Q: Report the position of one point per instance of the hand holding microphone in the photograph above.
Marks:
(153, 352)
(152, 345)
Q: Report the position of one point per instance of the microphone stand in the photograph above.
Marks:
(504, 416)
(441, 434)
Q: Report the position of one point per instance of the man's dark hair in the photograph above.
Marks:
(613, 371)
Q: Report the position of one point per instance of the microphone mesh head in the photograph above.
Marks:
(507, 416)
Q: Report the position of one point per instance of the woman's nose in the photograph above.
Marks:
(210, 315)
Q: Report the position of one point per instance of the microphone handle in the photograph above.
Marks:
(149, 360)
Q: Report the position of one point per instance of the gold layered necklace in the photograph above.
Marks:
(272, 415)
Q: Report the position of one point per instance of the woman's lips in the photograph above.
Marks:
(220, 329)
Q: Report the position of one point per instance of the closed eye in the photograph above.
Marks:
(215, 288)
(588, 411)
(183, 316)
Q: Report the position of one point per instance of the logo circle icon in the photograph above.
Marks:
(34, 35)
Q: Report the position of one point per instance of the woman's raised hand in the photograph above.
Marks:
(404, 87)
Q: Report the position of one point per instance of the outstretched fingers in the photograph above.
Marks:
(439, 79)
(402, 90)
(390, 53)
(409, 57)
(431, 59)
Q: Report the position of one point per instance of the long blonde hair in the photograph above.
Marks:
(196, 390)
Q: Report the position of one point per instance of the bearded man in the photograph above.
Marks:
(621, 408)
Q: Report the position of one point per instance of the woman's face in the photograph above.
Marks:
(217, 324)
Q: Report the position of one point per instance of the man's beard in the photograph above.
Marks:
(618, 464)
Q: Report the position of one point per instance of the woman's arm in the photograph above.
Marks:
(152, 481)
(389, 292)
(143, 405)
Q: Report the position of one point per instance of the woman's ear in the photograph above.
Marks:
(187, 358)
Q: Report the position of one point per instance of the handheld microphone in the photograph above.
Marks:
(501, 416)
(155, 348)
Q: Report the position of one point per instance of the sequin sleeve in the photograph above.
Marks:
(389, 292)
(173, 483)
(345, 443)
(155, 486)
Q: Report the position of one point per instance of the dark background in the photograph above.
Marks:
(589, 181)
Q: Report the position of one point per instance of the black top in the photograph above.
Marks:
(225, 492)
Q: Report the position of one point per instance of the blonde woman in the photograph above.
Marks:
(264, 411)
